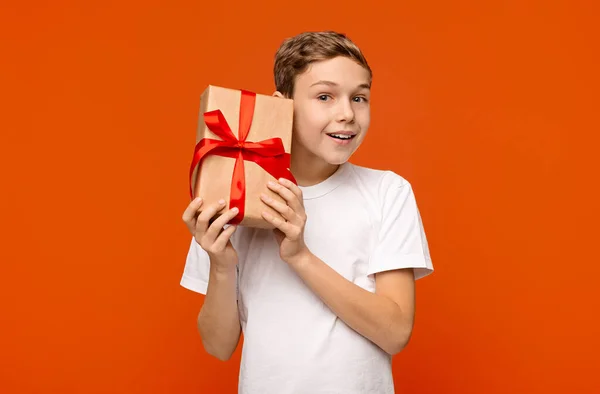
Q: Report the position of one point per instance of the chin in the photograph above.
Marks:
(336, 160)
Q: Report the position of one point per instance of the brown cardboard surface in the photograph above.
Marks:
(273, 117)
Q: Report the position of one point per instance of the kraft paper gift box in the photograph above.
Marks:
(243, 140)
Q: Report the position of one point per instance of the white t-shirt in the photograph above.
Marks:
(360, 221)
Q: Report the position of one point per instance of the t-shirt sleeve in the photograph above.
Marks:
(401, 241)
(196, 270)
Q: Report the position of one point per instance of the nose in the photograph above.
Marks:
(345, 112)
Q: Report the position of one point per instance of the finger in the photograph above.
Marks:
(292, 186)
(207, 214)
(291, 231)
(287, 195)
(192, 210)
(285, 210)
(224, 237)
(217, 226)
(279, 235)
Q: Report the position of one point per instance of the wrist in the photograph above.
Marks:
(222, 269)
(300, 260)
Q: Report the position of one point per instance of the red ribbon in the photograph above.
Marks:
(270, 154)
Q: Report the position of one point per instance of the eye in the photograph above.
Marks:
(360, 99)
(323, 97)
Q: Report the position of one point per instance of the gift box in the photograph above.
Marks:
(243, 140)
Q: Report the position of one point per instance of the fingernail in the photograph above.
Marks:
(221, 201)
(271, 183)
(264, 197)
(235, 209)
(282, 180)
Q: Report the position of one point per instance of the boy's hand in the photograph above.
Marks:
(212, 237)
(289, 233)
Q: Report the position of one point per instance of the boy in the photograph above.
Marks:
(327, 298)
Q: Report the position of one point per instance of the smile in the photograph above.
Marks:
(342, 136)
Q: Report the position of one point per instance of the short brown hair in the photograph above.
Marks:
(296, 53)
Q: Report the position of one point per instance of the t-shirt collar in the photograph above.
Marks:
(326, 186)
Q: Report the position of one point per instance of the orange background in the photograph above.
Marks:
(490, 109)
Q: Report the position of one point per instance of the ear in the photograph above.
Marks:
(278, 94)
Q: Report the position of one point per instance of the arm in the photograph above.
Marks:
(218, 320)
(384, 317)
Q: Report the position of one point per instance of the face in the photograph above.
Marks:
(331, 110)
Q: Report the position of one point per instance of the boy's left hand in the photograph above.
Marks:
(289, 233)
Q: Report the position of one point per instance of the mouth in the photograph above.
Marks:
(342, 135)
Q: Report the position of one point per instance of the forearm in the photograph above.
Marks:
(218, 321)
(372, 315)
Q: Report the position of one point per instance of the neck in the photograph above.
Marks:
(310, 170)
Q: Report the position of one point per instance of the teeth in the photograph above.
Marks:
(342, 136)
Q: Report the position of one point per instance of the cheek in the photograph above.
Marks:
(310, 119)
(364, 119)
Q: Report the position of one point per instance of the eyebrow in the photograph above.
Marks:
(331, 83)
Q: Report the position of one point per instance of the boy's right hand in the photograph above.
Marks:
(211, 236)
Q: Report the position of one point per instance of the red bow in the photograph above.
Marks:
(270, 154)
